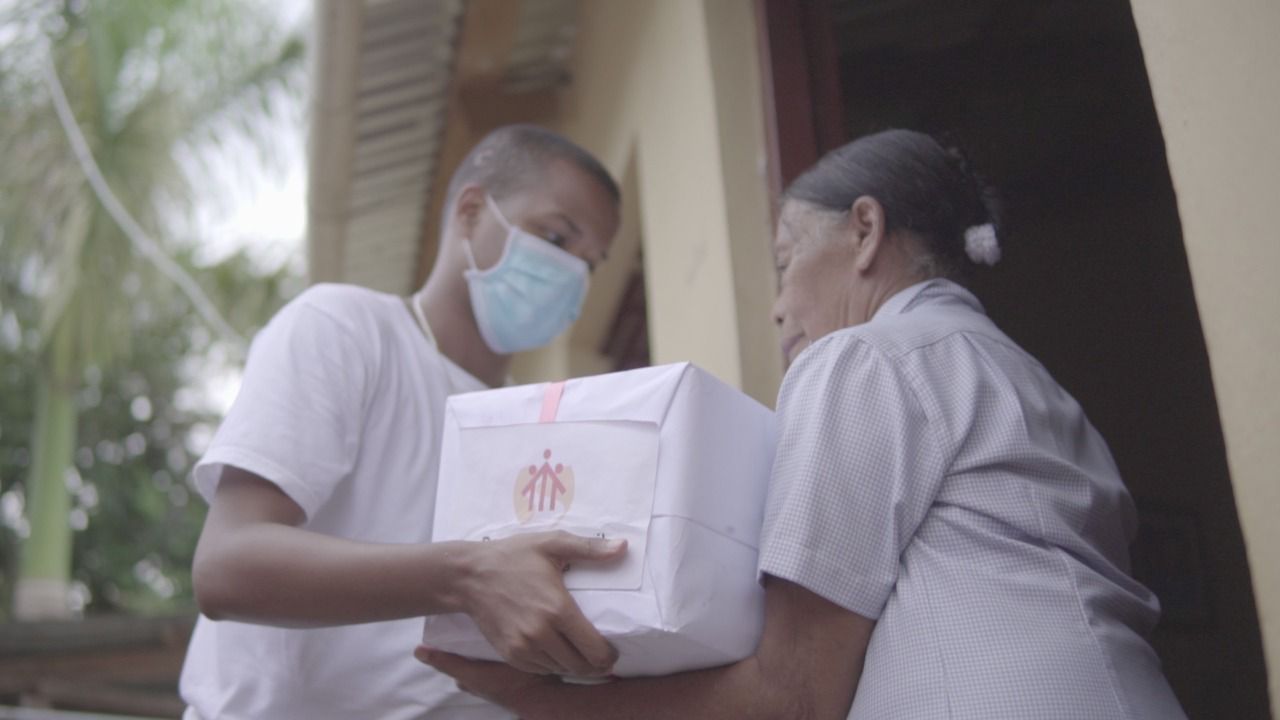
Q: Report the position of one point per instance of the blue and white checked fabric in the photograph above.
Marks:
(931, 475)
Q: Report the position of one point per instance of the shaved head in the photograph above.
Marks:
(515, 156)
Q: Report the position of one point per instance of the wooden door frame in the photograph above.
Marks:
(800, 72)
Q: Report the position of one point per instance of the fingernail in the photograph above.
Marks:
(612, 545)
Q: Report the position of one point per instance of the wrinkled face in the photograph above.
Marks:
(566, 206)
(816, 277)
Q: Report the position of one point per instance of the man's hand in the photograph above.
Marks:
(514, 590)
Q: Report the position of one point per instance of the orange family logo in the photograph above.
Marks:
(545, 490)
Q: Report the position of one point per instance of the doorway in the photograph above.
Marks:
(1052, 103)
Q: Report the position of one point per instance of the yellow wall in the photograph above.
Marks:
(667, 93)
(1213, 69)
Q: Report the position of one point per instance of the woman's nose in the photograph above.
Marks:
(776, 311)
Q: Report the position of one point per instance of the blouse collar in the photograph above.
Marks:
(928, 291)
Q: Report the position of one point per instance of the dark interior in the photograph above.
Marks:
(1051, 102)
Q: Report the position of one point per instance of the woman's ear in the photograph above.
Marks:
(867, 222)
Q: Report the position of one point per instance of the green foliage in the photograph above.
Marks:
(150, 83)
(156, 86)
(141, 428)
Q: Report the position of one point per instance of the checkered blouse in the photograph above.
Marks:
(931, 475)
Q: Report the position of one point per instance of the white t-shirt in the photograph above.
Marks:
(341, 406)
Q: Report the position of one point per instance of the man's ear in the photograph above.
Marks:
(466, 209)
(867, 231)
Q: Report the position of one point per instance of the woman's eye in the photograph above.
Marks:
(556, 239)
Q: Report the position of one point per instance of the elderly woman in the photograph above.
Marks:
(946, 534)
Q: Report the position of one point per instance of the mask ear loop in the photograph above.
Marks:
(502, 220)
(471, 256)
(493, 205)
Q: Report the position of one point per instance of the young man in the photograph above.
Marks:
(315, 565)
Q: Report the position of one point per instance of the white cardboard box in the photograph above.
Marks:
(667, 457)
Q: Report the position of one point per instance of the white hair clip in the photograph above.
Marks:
(981, 245)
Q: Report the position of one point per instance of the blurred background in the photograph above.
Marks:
(172, 172)
(120, 344)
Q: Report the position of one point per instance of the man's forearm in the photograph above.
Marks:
(256, 564)
(281, 575)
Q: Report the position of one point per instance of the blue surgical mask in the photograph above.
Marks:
(533, 293)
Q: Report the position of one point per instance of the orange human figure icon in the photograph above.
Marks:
(541, 479)
(544, 488)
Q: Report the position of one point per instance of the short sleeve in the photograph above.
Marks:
(856, 470)
(298, 417)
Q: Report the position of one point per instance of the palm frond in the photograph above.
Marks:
(145, 79)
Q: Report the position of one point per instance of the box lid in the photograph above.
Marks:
(642, 395)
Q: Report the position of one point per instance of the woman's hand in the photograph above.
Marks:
(495, 682)
(808, 665)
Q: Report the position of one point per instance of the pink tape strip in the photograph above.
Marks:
(551, 402)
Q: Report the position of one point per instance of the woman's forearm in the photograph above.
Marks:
(736, 692)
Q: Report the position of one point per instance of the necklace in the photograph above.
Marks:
(415, 308)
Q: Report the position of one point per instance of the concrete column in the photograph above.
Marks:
(1213, 77)
(670, 90)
